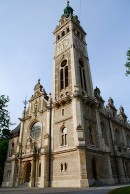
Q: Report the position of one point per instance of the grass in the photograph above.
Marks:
(124, 190)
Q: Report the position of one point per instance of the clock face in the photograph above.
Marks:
(79, 45)
(35, 130)
(65, 43)
(61, 46)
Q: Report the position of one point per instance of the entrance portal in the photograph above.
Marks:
(28, 172)
(94, 169)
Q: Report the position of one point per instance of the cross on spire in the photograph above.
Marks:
(25, 102)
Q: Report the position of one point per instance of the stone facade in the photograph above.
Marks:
(69, 139)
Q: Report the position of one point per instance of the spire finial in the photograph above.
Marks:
(68, 2)
(25, 102)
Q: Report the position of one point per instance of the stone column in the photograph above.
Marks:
(42, 178)
(83, 169)
(99, 133)
(12, 178)
(19, 178)
(33, 173)
(110, 176)
(121, 170)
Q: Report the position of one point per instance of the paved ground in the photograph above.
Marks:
(91, 190)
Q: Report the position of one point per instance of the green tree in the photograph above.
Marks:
(3, 154)
(127, 64)
(4, 117)
(4, 132)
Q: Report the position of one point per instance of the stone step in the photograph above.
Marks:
(24, 185)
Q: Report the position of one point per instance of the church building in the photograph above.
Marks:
(69, 138)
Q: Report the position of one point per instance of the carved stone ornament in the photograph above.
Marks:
(46, 136)
(61, 46)
(79, 45)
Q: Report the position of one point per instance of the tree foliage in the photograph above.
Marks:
(3, 155)
(4, 132)
(4, 117)
(127, 64)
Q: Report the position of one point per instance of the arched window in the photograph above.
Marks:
(12, 149)
(91, 136)
(58, 37)
(61, 79)
(68, 29)
(78, 34)
(40, 170)
(117, 136)
(82, 75)
(63, 63)
(82, 37)
(104, 132)
(65, 166)
(63, 33)
(12, 145)
(66, 76)
(63, 112)
(64, 136)
(64, 80)
(62, 167)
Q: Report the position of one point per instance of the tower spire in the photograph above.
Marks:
(68, 11)
(68, 2)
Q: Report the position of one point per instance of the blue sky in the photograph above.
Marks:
(26, 47)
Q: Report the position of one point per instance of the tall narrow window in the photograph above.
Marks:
(64, 136)
(61, 79)
(61, 167)
(64, 80)
(91, 136)
(63, 33)
(58, 37)
(40, 170)
(68, 29)
(65, 166)
(66, 76)
(81, 79)
(63, 112)
(82, 75)
(84, 80)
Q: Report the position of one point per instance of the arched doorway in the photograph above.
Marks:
(28, 172)
(94, 169)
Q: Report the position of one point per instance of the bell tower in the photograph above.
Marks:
(71, 62)
(72, 92)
